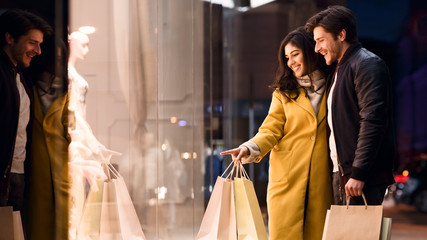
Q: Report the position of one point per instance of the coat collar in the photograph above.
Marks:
(38, 112)
(305, 103)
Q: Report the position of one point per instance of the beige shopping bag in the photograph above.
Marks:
(18, 231)
(386, 229)
(353, 222)
(89, 226)
(129, 221)
(250, 224)
(119, 220)
(219, 220)
(6, 223)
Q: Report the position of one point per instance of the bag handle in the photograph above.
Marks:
(241, 170)
(110, 168)
(364, 199)
(230, 174)
(237, 168)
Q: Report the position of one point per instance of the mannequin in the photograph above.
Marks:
(87, 155)
(79, 47)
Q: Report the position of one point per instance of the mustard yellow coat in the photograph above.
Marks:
(299, 158)
(49, 184)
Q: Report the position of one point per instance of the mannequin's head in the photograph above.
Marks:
(79, 45)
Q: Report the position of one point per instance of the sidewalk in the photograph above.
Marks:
(407, 223)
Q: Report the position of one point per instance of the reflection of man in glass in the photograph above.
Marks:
(21, 35)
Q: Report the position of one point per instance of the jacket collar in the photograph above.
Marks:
(5, 59)
(350, 51)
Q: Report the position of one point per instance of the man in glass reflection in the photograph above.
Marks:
(21, 34)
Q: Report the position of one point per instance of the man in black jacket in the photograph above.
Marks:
(361, 138)
(21, 34)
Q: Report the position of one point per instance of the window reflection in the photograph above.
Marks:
(145, 100)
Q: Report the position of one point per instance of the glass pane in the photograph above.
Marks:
(146, 75)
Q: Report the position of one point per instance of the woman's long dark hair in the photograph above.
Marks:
(285, 80)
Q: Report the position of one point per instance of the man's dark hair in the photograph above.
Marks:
(18, 22)
(334, 19)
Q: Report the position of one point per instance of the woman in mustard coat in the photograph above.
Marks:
(299, 188)
(48, 214)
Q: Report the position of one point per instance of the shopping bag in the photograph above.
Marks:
(386, 229)
(353, 222)
(219, 220)
(6, 223)
(250, 224)
(18, 231)
(119, 220)
(89, 226)
(326, 225)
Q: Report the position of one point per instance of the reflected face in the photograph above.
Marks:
(83, 48)
(79, 45)
(328, 45)
(295, 60)
(25, 48)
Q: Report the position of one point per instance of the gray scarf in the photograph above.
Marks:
(48, 89)
(314, 88)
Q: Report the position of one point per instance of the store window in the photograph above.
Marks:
(145, 78)
(171, 85)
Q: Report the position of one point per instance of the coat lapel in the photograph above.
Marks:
(38, 112)
(54, 107)
(322, 111)
(305, 103)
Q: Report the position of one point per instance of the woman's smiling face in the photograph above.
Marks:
(295, 60)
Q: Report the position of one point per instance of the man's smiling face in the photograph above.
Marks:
(328, 45)
(22, 50)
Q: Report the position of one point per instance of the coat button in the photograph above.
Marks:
(313, 138)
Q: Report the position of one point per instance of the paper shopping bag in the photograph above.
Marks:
(89, 226)
(386, 229)
(18, 231)
(6, 223)
(129, 221)
(353, 222)
(219, 221)
(250, 224)
(119, 220)
(326, 225)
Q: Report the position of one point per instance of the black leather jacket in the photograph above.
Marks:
(362, 117)
(9, 116)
